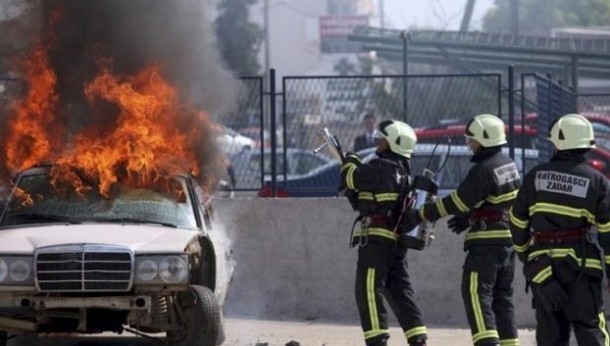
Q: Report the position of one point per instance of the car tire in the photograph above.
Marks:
(203, 318)
(30, 339)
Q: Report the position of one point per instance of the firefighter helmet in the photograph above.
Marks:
(400, 136)
(486, 129)
(572, 131)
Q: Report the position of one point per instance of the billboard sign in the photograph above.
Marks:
(334, 31)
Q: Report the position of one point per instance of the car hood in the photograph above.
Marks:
(139, 238)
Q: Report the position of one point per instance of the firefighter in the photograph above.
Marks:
(560, 217)
(382, 264)
(480, 206)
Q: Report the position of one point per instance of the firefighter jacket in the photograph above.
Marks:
(558, 199)
(377, 185)
(485, 194)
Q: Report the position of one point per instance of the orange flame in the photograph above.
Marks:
(148, 136)
(145, 144)
(28, 141)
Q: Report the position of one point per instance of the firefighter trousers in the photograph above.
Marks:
(382, 272)
(584, 311)
(487, 291)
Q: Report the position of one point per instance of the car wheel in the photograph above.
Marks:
(22, 340)
(203, 318)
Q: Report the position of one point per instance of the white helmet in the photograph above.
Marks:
(400, 136)
(572, 131)
(486, 129)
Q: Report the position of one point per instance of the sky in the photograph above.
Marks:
(433, 14)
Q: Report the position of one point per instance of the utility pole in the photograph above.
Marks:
(267, 43)
(514, 17)
(381, 13)
(467, 15)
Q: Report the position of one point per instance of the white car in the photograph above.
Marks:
(138, 259)
(231, 142)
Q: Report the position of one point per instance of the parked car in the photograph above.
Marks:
(325, 181)
(254, 133)
(75, 261)
(527, 137)
(249, 165)
(232, 142)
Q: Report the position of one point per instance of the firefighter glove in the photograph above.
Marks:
(523, 256)
(351, 157)
(459, 223)
(352, 197)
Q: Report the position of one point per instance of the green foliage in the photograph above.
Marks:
(538, 17)
(239, 40)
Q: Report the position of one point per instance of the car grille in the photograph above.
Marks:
(84, 268)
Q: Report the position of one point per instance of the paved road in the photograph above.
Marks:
(246, 332)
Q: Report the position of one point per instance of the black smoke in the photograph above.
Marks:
(132, 34)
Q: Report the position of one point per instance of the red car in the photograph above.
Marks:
(527, 137)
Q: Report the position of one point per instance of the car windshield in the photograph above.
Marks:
(37, 201)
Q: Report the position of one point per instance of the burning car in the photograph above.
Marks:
(112, 159)
(136, 259)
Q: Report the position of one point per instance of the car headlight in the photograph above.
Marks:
(162, 270)
(19, 270)
(173, 270)
(147, 270)
(3, 270)
(16, 271)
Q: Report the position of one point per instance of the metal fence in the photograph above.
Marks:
(544, 99)
(306, 104)
(340, 103)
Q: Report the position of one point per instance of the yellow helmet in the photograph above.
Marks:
(486, 129)
(572, 131)
(400, 136)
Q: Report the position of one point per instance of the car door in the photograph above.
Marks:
(304, 162)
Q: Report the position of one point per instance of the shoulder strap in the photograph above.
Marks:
(403, 192)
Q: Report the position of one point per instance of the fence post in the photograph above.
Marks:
(574, 63)
(406, 37)
(272, 134)
(511, 111)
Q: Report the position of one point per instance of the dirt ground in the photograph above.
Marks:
(244, 332)
(249, 332)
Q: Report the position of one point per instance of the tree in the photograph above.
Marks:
(239, 40)
(538, 17)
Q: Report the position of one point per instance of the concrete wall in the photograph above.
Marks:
(293, 261)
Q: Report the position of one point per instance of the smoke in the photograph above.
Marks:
(133, 34)
(83, 36)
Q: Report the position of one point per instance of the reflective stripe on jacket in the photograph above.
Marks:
(490, 186)
(564, 193)
(378, 186)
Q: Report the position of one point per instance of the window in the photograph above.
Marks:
(305, 163)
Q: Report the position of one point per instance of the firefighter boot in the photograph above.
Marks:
(418, 343)
(379, 343)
